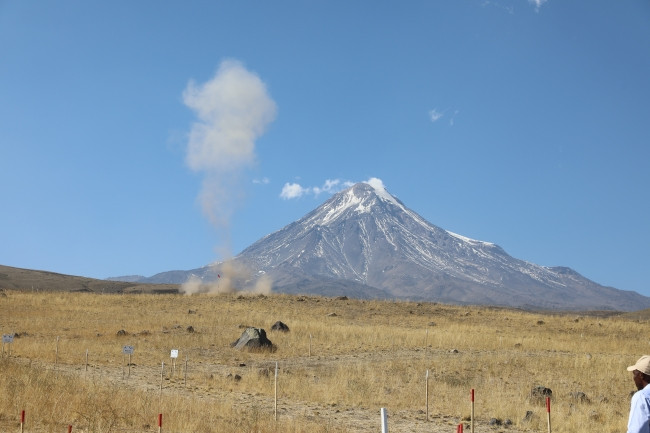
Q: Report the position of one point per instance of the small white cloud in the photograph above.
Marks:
(292, 190)
(331, 186)
(262, 181)
(538, 3)
(435, 115)
(376, 183)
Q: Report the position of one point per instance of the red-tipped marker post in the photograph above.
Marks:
(472, 418)
(22, 421)
(459, 429)
(69, 429)
(159, 423)
(548, 412)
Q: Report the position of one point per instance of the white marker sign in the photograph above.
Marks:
(7, 338)
(127, 350)
(174, 353)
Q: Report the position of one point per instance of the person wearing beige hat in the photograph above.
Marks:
(639, 420)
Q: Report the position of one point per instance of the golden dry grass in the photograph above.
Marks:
(367, 355)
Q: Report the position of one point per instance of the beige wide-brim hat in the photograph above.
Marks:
(643, 365)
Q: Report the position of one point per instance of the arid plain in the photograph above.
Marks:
(340, 363)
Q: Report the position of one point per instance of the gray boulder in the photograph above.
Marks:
(253, 338)
(280, 326)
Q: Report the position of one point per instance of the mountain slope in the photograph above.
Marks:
(364, 242)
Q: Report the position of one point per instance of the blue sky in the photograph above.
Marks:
(516, 122)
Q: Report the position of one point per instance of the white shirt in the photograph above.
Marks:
(639, 421)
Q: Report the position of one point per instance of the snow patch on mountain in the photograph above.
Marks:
(468, 240)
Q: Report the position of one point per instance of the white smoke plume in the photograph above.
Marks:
(233, 110)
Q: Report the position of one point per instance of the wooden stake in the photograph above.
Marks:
(185, 373)
(276, 391)
(426, 394)
(162, 369)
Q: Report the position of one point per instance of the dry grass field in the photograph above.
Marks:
(341, 361)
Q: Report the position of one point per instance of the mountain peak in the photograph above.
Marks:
(379, 189)
(358, 199)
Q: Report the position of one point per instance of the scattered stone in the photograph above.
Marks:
(190, 329)
(332, 315)
(579, 396)
(528, 417)
(280, 326)
(191, 311)
(253, 339)
(507, 422)
(267, 371)
(453, 351)
(595, 416)
(342, 298)
(495, 422)
(539, 393)
(242, 326)
(122, 333)
(235, 377)
(540, 322)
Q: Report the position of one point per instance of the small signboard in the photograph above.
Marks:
(174, 353)
(127, 350)
(7, 338)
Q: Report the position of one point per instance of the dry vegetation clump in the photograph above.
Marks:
(340, 362)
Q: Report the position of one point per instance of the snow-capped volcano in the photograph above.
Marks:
(364, 242)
